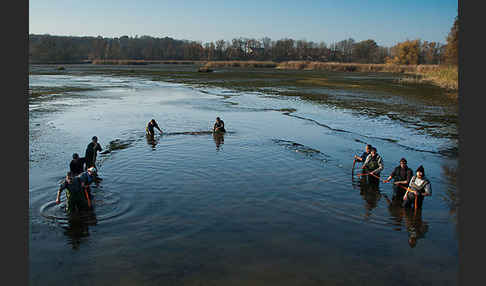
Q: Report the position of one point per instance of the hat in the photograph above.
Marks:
(421, 169)
(92, 170)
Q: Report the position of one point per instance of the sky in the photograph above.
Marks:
(329, 21)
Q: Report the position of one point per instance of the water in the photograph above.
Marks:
(273, 201)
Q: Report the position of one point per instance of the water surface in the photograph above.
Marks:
(273, 201)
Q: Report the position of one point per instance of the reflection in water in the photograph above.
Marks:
(151, 141)
(78, 228)
(451, 196)
(218, 139)
(416, 227)
(370, 193)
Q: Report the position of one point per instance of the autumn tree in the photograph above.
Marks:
(451, 55)
(406, 53)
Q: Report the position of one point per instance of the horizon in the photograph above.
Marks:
(317, 21)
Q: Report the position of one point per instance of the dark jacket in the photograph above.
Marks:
(374, 164)
(400, 174)
(91, 152)
(77, 166)
(151, 126)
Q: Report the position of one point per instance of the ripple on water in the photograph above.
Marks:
(107, 206)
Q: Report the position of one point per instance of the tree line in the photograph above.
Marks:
(49, 48)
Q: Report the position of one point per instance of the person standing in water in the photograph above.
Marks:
(373, 165)
(150, 128)
(365, 154)
(219, 125)
(77, 165)
(401, 175)
(419, 187)
(91, 152)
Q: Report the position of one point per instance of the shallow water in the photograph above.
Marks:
(273, 201)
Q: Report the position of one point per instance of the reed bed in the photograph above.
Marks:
(445, 76)
(242, 64)
(355, 67)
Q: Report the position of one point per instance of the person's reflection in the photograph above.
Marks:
(151, 140)
(218, 139)
(416, 227)
(371, 195)
(412, 219)
(78, 228)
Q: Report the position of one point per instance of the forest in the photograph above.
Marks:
(77, 49)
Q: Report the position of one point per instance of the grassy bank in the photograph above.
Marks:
(241, 64)
(443, 76)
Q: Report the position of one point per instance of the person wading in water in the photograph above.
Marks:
(149, 130)
(373, 165)
(75, 199)
(419, 188)
(91, 152)
(365, 154)
(77, 165)
(219, 125)
(86, 179)
(401, 175)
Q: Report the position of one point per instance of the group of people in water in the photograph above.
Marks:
(83, 171)
(408, 189)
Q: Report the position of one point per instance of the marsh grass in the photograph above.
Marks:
(442, 76)
(445, 76)
(241, 64)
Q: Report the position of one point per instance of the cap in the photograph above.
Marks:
(421, 169)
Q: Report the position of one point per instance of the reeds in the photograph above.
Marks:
(356, 67)
(444, 76)
(242, 64)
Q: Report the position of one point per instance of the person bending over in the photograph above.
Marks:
(219, 125)
(151, 126)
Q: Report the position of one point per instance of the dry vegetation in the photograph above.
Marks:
(356, 67)
(241, 64)
(443, 76)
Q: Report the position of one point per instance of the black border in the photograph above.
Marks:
(15, 143)
(471, 243)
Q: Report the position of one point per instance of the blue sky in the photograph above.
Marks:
(386, 22)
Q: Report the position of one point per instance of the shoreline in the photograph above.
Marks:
(443, 76)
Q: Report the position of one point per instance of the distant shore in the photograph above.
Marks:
(444, 76)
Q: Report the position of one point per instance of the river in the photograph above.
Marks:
(272, 201)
